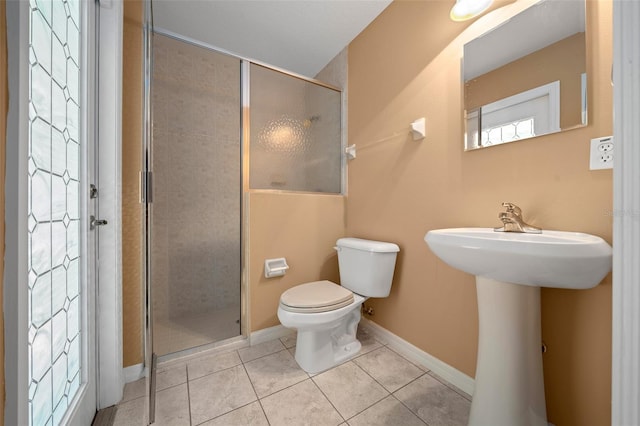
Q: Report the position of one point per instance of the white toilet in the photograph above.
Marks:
(326, 314)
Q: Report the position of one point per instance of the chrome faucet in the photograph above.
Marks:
(513, 222)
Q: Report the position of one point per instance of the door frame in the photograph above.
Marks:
(108, 300)
(625, 386)
(109, 293)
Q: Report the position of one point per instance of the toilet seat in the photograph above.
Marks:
(316, 296)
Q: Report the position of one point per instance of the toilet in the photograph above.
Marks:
(326, 314)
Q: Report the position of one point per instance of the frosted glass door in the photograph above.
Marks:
(59, 375)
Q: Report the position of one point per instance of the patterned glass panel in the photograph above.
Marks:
(295, 134)
(54, 220)
(509, 132)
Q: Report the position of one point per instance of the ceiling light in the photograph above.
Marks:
(467, 9)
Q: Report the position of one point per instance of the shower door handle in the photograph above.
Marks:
(93, 222)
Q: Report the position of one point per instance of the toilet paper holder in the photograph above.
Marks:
(275, 267)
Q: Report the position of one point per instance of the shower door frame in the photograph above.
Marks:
(146, 193)
(244, 168)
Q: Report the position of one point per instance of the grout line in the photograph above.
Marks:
(460, 392)
(402, 387)
(264, 412)
(250, 382)
(380, 384)
(410, 410)
(217, 371)
(426, 370)
(256, 393)
(188, 394)
(262, 356)
(279, 390)
(405, 405)
(383, 386)
(326, 397)
(229, 412)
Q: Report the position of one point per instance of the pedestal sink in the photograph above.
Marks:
(510, 268)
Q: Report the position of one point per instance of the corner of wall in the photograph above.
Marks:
(4, 101)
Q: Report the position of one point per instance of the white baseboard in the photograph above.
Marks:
(420, 357)
(133, 373)
(267, 334)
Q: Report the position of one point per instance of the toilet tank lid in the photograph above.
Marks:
(368, 245)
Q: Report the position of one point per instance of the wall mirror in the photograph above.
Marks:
(527, 77)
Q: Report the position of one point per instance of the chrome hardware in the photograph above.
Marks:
(513, 222)
(93, 222)
(93, 191)
(146, 187)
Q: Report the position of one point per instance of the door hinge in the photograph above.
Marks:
(146, 187)
(93, 191)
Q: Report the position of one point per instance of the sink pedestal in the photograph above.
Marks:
(509, 385)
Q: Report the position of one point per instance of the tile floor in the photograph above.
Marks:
(263, 385)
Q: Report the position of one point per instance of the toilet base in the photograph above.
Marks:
(318, 350)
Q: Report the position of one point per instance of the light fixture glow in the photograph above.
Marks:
(467, 9)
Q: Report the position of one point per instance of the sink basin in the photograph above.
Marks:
(552, 259)
(510, 268)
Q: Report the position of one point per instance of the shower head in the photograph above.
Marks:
(307, 121)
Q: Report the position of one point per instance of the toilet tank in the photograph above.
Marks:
(366, 267)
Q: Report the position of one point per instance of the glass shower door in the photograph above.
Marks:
(195, 214)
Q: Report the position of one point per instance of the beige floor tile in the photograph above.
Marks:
(301, 404)
(449, 385)
(260, 350)
(434, 402)
(251, 414)
(289, 341)
(388, 412)
(170, 377)
(172, 407)
(350, 389)
(213, 363)
(134, 390)
(219, 393)
(388, 368)
(130, 413)
(368, 342)
(274, 372)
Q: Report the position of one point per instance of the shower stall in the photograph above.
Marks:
(221, 126)
(195, 209)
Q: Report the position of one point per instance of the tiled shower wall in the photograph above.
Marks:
(197, 180)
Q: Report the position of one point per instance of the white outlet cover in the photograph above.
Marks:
(602, 153)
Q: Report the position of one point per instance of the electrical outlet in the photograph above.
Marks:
(601, 153)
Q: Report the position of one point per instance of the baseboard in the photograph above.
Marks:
(267, 334)
(420, 357)
(133, 373)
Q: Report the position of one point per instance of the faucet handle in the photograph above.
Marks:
(512, 208)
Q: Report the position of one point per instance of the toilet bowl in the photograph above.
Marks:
(326, 315)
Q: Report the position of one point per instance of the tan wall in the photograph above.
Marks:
(4, 106)
(132, 97)
(399, 189)
(563, 61)
(303, 228)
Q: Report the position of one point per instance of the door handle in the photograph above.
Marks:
(93, 222)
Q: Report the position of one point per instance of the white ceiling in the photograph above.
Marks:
(297, 35)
